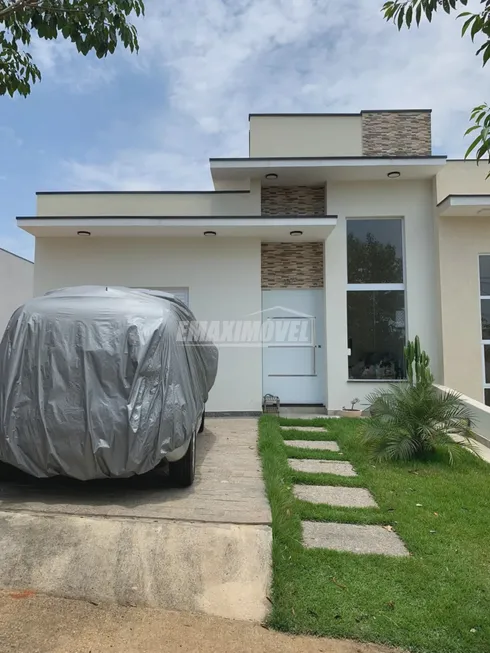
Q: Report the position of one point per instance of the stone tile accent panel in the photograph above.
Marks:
(293, 200)
(352, 538)
(340, 468)
(292, 265)
(396, 133)
(343, 497)
(304, 429)
(317, 445)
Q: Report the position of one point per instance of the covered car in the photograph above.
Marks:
(103, 382)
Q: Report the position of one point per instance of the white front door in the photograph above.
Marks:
(293, 353)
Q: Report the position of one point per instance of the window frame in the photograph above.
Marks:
(485, 385)
(373, 287)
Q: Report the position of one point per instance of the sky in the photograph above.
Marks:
(151, 121)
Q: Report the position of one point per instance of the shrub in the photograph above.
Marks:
(415, 419)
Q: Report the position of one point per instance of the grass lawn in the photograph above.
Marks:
(437, 600)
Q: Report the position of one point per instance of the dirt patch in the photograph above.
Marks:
(48, 625)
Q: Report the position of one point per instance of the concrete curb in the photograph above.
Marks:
(219, 569)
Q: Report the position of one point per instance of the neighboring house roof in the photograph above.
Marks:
(22, 258)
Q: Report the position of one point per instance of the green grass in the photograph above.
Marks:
(429, 602)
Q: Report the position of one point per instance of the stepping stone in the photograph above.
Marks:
(352, 538)
(339, 467)
(319, 445)
(346, 497)
(304, 429)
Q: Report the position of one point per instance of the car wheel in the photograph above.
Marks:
(183, 471)
(201, 428)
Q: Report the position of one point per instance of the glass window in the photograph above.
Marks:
(486, 356)
(376, 322)
(485, 318)
(375, 299)
(485, 276)
(484, 264)
(374, 251)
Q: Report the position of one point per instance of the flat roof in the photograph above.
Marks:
(167, 217)
(141, 192)
(22, 258)
(348, 113)
(464, 196)
(333, 158)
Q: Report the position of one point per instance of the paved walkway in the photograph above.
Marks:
(329, 535)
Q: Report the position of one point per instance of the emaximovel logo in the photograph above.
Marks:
(274, 326)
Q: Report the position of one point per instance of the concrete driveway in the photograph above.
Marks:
(142, 542)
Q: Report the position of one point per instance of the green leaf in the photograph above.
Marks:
(93, 26)
(476, 27)
(401, 15)
(418, 14)
(409, 16)
(472, 146)
(466, 25)
(486, 55)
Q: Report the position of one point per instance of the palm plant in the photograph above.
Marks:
(416, 419)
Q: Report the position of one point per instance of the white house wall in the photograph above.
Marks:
(223, 277)
(412, 201)
(16, 285)
(305, 136)
(462, 178)
(225, 203)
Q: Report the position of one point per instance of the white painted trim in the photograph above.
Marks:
(127, 221)
(376, 286)
(232, 164)
(468, 202)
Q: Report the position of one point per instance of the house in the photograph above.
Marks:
(16, 284)
(312, 261)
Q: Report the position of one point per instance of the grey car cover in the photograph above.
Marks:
(100, 382)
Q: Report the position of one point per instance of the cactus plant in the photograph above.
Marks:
(417, 363)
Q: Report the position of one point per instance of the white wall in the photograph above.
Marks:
(461, 241)
(413, 201)
(480, 414)
(462, 178)
(313, 135)
(223, 277)
(151, 204)
(16, 285)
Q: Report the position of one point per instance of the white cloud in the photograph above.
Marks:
(61, 63)
(220, 59)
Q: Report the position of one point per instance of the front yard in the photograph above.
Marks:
(437, 600)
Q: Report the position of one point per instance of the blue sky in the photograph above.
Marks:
(151, 121)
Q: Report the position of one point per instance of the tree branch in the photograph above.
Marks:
(19, 5)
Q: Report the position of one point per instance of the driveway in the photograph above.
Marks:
(142, 542)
